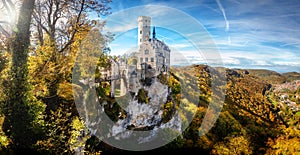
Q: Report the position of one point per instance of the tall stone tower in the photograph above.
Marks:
(143, 29)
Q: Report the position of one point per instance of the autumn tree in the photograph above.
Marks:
(60, 28)
(60, 22)
(57, 30)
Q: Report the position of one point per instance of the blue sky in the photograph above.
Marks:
(232, 33)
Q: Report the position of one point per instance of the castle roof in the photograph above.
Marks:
(156, 42)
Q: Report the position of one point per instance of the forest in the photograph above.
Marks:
(38, 114)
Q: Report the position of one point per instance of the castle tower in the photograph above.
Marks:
(144, 23)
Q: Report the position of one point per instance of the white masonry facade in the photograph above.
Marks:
(152, 59)
(151, 50)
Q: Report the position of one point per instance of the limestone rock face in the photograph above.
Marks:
(146, 116)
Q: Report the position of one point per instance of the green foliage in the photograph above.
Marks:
(23, 112)
(189, 109)
(234, 145)
(165, 135)
(168, 112)
(78, 137)
(112, 110)
(142, 96)
(3, 61)
(148, 81)
(37, 102)
(287, 146)
(163, 78)
(4, 140)
(227, 125)
(287, 142)
(249, 116)
(175, 85)
(92, 146)
(91, 53)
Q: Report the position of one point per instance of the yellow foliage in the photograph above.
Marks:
(65, 91)
(288, 146)
(233, 145)
(4, 141)
(76, 138)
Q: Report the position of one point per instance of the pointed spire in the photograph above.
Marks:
(153, 33)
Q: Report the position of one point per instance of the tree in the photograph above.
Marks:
(59, 114)
(61, 28)
(61, 20)
(22, 112)
(59, 23)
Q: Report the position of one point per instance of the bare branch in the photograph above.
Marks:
(37, 19)
(6, 6)
(62, 20)
(4, 22)
(4, 32)
(13, 9)
(71, 40)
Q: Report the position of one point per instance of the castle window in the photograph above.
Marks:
(141, 60)
(146, 59)
(140, 31)
(152, 59)
(146, 51)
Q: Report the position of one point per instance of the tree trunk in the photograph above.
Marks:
(18, 116)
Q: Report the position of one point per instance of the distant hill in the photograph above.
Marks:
(291, 76)
(268, 76)
(272, 77)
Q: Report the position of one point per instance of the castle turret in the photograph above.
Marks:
(153, 33)
(143, 29)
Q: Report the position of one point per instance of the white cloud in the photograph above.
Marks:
(224, 15)
(120, 28)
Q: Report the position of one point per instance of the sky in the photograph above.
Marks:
(262, 34)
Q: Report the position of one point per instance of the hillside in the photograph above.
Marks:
(250, 121)
(268, 75)
(291, 76)
(273, 77)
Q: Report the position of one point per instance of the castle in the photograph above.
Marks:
(151, 59)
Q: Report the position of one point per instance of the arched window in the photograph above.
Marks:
(146, 51)
(152, 59)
